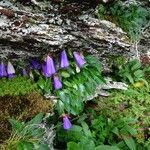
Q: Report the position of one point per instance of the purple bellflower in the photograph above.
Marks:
(10, 70)
(50, 67)
(24, 72)
(3, 72)
(57, 82)
(80, 61)
(64, 63)
(44, 69)
(66, 123)
(35, 64)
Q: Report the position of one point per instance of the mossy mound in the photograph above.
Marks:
(22, 107)
(16, 86)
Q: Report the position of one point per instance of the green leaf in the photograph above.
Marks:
(17, 126)
(86, 129)
(76, 128)
(73, 146)
(60, 107)
(37, 119)
(131, 130)
(86, 144)
(65, 74)
(81, 89)
(130, 142)
(116, 131)
(43, 147)
(24, 146)
(129, 77)
(139, 73)
(41, 82)
(106, 147)
(136, 66)
(62, 96)
(67, 83)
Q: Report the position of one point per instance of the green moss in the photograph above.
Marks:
(16, 86)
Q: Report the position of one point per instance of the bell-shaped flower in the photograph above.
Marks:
(35, 64)
(80, 61)
(57, 82)
(24, 72)
(44, 70)
(3, 72)
(64, 63)
(10, 70)
(66, 123)
(50, 67)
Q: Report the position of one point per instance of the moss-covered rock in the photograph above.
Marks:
(22, 107)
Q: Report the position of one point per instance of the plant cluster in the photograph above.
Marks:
(78, 84)
(22, 107)
(119, 122)
(72, 79)
(131, 72)
(93, 131)
(27, 135)
(130, 18)
(131, 103)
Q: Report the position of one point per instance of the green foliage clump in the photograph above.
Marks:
(78, 84)
(131, 103)
(131, 72)
(27, 135)
(95, 132)
(16, 86)
(130, 18)
(22, 107)
(120, 121)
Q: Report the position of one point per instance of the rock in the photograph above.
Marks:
(26, 32)
(101, 89)
(110, 84)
